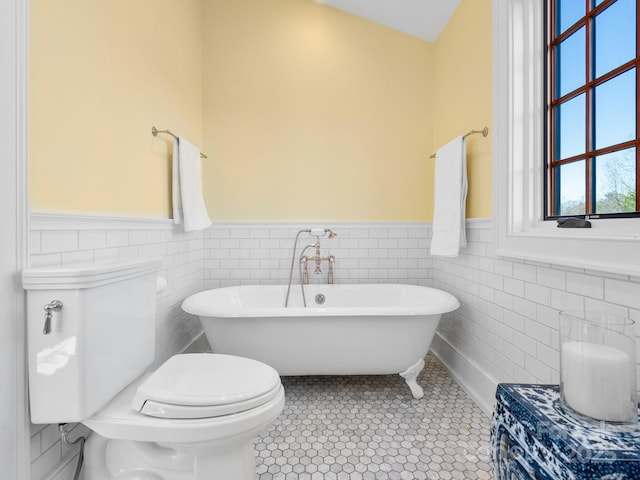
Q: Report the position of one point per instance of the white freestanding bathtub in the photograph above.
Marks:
(360, 329)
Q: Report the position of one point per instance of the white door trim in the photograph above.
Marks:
(14, 423)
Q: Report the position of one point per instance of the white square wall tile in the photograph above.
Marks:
(504, 268)
(71, 258)
(504, 300)
(398, 233)
(34, 447)
(420, 233)
(538, 294)
(566, 301)
(600, 306)
(622, 293)
(551, 278)
(525, 307)
(524, 343)
(368, 243)
(261, 233)
(514, 287)
(117, 238)
(408, 243)
(50, 260)
(537, 331)
(548, 316)
(587, 285)
(269, 243)
(379, 232)
(541, 371)
(398, 253)
(58, 241)
(46, 462)
(388, 243)
(378, 253)
(251, 243)
(549, 356)
(218, 232)
(34, 243)
(92, 239)
(357, 233)
(229, 243)
(524, 272)
(240, 233)
(514, 354)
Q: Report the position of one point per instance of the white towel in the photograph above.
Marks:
(188, 203)
(450, 197)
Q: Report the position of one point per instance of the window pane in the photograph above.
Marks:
(571, 58)
(615, 36)
(568, 12)
(570, 128)
(615, 110)
(571, 183)
(616, 182)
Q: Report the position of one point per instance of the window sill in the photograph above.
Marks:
(608, 247)
(610, 230)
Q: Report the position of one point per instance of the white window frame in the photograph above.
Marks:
(611, 245)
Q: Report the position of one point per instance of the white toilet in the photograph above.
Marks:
(91, 336)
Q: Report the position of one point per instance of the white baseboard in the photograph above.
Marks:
(475, 382)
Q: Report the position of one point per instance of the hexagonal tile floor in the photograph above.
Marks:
(371, 428)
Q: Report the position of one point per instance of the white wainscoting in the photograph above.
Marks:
(506, 329)
(241, 253)
(64, 239)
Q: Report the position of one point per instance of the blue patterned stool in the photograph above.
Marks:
(532, 437)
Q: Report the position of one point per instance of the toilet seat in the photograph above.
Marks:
(204, 385)
(119, 420)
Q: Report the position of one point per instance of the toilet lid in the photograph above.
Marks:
(203, 385)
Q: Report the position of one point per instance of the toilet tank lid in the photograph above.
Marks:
(84, 275)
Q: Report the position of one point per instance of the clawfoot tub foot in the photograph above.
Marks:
(410, 376)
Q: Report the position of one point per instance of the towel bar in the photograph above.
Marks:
(155, 132)
(484, 132)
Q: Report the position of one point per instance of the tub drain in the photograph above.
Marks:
(320, 298)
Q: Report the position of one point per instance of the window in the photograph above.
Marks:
(592, 108)
(521, 226)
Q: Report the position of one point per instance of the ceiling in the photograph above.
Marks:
(424, 19)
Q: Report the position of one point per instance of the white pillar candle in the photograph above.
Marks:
(597, 381)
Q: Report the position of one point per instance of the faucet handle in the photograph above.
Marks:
(321, 232)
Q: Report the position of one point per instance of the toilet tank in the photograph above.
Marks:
(101, 339)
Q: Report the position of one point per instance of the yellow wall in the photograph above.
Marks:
(314, 114)
(462, 99)
(102, 72)
(306, 112)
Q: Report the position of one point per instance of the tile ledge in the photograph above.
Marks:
(78, 221)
